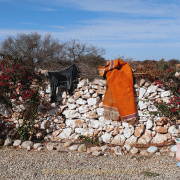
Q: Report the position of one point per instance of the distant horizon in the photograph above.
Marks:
(136, 29)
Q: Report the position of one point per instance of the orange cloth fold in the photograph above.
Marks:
(119, 96)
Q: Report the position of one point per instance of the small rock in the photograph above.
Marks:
(37, 145)
(174, 148)
(127, 147)
(26, 143)
(50, 146)
(118, 150)
(39, 148)
(142, 81)
(134, 150)
(143, 153)
(152, 149)
(8, 142)
(17, 142)
(82, 148)
(172, 154)
(105, 148)
(28, 148)
(96, 153)
(73, 148)
(68, 143)
(95, 148)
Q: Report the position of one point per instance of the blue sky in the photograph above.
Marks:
(137, 29)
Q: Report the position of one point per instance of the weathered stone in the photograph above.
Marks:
(152, 149)
(93, 101)
(128, 131)
(82, 148)
(71, 114)
(169, 136)
(118, 139)
(134, 150)
(161, 129)
(116, 131)
(106, 137)
(152, 108)
(160, 121)
(73, 148)
(81, 101)
(8, 142)
(96, 153)
(143, 153)
(65, 133)
(95, 148)
(85, 132)
(83, 109)
(82, 83)
(91, 115)
(109, 128)
(96, 124)
(68, 143)
(74, 123)
(71, 106)
(17, 142)
(26, 143)
(100, 111)
(50, 146)
(132, 140)
(147, 136)
(139, 131)
(143, 105)
(118, 150)
(96, 132)
(37, 145)
(127, 147)
(172, 154)
(173, 148)
(159, 138)
(74, 136)
(56, 133)
(165, 93)
(105, 148)
(173, 131)
(141, 141)
(142, 81)
(142, 91)
(152, 89)
(77, 95)
(4, 111)
(149, 124)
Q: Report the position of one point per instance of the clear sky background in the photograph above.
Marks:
(138, 29)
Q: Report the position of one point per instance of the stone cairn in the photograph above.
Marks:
(82, 114)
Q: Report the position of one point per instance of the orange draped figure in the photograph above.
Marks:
(119, 96)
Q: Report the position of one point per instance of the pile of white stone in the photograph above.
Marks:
(82, 113)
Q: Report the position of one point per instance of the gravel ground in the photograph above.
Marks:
(16, 163)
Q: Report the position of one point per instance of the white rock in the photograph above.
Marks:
(73, 148)
(71, 114)
(118, 150)
(152, 89)
(143, 113)
(124, 124)
(93, 101)
(127, 147)
(28, 148)
(50, 146)
(81, 101)
(65, 133)
(152, 108)
(82, 83)
(84, 132)
(149, 124)
(71, 100)
(142, 92)
(64, 95)
(27, 143)
(17, 142)
(177, 75)
(152, 149)
(105, 148)
(91, 91)
(8, 142)
(48, 89)
(132, 140)
(165, 93)
(174, 148)
(100, 111)
(106, 137)
(83, 109)
(134, 150)
(118, 139)
(71, 106)
(173, 131)
(96, 124)
(143, 105)
(128, 131)
(37, 145)
(159, 138)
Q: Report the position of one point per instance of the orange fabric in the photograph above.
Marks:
(121, 94)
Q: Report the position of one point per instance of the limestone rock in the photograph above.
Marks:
(116, 131)
(149, 124)
(152, 149)
(118, 150)
(141, 141)
(73, 148)
(82, 148)
(165, 93)
(68, 143)
(109, 128)
(95, 148)
(105, 148)
(106, 137)
(142, 91)
(71, 114)
(50, 146)
(128, 131)
(41, 134)
(174, 148)
(139, 131)
(159, 138)
(161, 129)
(17, 142)
(93, 101)
(8, 142)
(142, 81)
(118, 139)
(132, 140)
(127, 147)
(134, 150)
(65, 133)
(37, 145)
(25, 144)
(147, 136)
(173, 131)
(172, 154)
(81, 101)
(4, 111)
(152, 89)
(96, 153)
(143, 153)
(83, 109)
